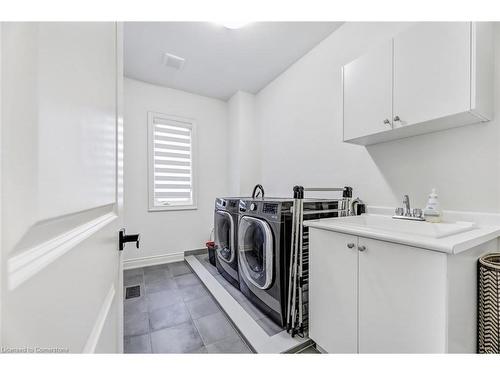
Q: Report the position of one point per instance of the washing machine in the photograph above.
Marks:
(264, 241)
(226, 238)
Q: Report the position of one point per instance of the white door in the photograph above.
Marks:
(333, 291)
(62, 186)
(367, 87)
(402, 299)
(432, 71)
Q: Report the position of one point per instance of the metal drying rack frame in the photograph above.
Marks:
(297, 305)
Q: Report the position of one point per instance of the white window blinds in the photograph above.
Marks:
(171, 162)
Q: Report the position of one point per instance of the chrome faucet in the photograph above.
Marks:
(406, 212)
(406, 205)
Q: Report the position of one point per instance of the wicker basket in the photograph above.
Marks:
(489, 304)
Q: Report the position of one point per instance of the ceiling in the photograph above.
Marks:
(219, 61)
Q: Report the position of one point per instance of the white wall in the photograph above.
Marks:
(300, 120)
(244, 144)
(170, 232)
(1, 130)
(290, 133)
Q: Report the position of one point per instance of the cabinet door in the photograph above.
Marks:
(432, 71)
(402, 299)
(367, 85)
(333, 285)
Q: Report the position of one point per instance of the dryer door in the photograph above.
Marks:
(224, 236)
(255, 251)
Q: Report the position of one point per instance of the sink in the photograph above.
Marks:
(418, 228)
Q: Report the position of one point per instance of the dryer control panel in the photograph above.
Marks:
(270, 208)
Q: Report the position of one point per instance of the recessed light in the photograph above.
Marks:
(234, 24)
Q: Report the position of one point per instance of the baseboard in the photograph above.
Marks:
(152, 260)
(195, 252)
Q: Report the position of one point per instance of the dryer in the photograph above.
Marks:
(226, 237)
(264, 243)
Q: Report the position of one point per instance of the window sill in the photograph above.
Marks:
(172, 208)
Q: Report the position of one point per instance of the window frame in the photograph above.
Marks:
(190, 123)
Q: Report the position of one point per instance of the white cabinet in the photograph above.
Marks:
(402, 293)
(334, 268)
(432, 69)
(440, 77)
(371, 296)
(368, 96)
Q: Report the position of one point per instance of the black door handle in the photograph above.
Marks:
(124, 238)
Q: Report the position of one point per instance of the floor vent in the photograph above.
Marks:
(133, 292)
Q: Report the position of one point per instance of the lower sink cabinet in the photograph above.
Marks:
(370, 296)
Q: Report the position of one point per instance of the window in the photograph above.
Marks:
(171, 144)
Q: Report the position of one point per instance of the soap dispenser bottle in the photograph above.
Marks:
(432, 211)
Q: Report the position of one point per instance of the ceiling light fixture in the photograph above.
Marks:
(233, 25)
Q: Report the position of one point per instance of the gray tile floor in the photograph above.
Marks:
(267, 324)
(175, 314)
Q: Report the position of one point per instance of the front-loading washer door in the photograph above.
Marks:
(224, 236)
(255, 251)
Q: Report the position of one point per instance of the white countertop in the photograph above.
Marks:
(452, 244)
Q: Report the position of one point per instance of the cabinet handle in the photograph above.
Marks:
(387, 122)
(396, 118)
(350, 245)
(362, 248)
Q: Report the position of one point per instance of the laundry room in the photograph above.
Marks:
(256, 175)
(176, 188)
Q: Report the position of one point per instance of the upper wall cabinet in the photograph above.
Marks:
(368, 93)
(431, 77)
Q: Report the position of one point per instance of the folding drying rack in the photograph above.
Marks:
(298, 286)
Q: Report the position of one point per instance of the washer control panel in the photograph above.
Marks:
(227, 204)
(221, 203)
(243, 206)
